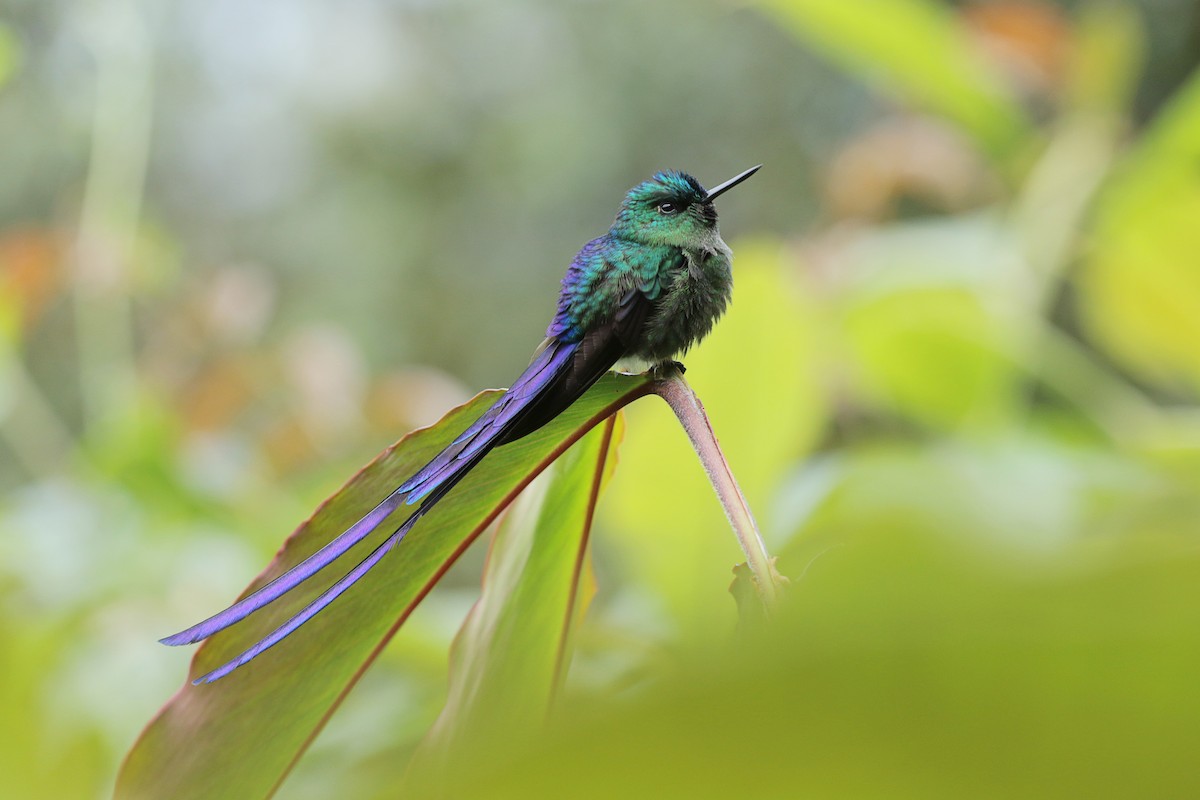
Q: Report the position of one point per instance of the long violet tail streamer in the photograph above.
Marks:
(292, 578)
(308, 612)
(430, 484)
(345, 582)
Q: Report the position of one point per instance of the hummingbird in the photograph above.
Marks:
(646, 291)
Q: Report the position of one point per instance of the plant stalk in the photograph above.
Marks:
(682, 399)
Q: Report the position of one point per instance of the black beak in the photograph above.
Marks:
(729, 184)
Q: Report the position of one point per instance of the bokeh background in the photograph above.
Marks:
(246, 245)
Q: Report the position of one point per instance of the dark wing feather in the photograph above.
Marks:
(595, 355)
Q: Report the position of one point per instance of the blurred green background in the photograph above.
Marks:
(245, 246)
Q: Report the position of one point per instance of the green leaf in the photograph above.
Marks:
(513, 650)
(240, 736)
(913, 49)
(1140, 286)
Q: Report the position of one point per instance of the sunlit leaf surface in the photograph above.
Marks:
(1141, 283)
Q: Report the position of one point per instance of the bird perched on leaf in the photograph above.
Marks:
(648, 289)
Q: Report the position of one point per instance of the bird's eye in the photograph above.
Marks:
(667, 207)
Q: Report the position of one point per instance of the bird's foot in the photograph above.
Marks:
(662, 371)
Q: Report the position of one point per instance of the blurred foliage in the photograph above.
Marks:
(958, 381)
(933, 63)
(904, 666)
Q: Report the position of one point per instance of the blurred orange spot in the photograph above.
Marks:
(214, 397)
(288, 446)
(906, 159)
(412, 398)
(31, 271)
(1028, 39)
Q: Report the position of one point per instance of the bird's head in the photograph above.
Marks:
(671, 208)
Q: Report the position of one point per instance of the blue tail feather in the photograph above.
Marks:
(430, 483)
(546, 367)
(293, 577)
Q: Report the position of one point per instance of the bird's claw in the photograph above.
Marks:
(662, 371)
